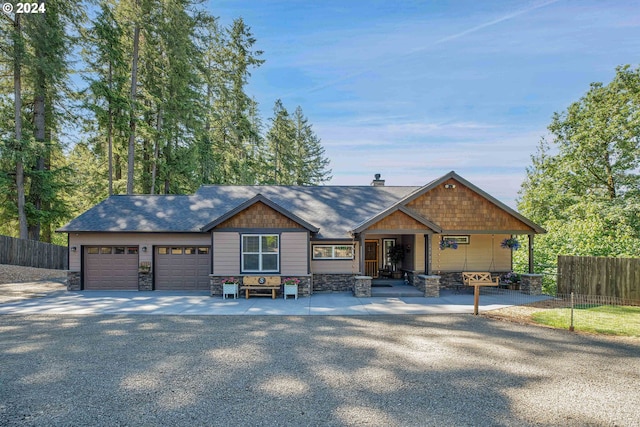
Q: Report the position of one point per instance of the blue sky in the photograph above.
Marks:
(415, 89)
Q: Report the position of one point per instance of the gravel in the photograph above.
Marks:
(18, 282)
(18, 273)
(312, 371)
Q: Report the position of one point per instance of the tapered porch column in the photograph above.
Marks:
(361, 261)
(530, 253)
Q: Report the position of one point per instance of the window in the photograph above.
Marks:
(260, 252)
(333, 252)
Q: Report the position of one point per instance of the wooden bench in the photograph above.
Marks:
(478, 279)
(260, 286)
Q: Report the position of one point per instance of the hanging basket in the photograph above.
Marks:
(510, 243)
(451, 244)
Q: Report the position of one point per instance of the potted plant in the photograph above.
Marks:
(447, 243)
(511, 280)
(396, 255)
(145, 267)
(230, 286)
(290, 285)
(510, 243)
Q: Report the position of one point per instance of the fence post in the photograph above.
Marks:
(571, 328)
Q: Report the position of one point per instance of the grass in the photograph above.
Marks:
(601, 319)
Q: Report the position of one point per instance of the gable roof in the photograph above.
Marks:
(366, 224)
(259, 198)
(334, 212)
(477, 190)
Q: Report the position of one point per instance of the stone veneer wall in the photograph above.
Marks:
(531, 284)
(304, 288)
(145, 281)
(73, 280)
(338, 282)
(430, 285)
(362, 286)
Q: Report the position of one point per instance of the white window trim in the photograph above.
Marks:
(259, 253)
(333, 253)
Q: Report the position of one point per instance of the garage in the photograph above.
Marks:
(111, 267)
(182, 267)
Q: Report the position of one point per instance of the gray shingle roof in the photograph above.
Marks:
(335, 210)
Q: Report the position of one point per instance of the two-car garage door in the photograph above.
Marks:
(176, 267)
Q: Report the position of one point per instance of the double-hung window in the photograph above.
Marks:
(260, 253)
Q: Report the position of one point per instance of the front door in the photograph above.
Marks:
(371, 258)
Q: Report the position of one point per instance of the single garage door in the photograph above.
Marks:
(111, 267)
(182, 267)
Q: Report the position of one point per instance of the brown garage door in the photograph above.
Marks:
(182, 267)
(111, 267)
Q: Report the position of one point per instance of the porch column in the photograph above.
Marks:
(530, 253)
(361, 261)
(427, 254)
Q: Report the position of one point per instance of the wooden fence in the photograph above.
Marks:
(31, 253)
(613, 277)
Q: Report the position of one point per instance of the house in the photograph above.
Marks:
(332, 238)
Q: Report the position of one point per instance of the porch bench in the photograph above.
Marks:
(260, 286)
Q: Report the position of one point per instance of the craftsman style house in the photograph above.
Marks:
(323, 235)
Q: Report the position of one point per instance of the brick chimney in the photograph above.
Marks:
(377, 182)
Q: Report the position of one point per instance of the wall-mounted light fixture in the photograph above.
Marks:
(408, 248)
(144, 249)
(73, 248)
(449, 186)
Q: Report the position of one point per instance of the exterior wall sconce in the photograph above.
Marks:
(449, 186)
(408, 248)
(73, 248)
(144, 249)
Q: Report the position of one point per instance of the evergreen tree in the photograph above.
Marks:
(106, 94)
(311, 163)
(282, 150)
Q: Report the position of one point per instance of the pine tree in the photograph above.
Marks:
(311, 163)
(106, 94)
(281, 143)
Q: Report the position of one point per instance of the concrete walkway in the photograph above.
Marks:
(200, 303)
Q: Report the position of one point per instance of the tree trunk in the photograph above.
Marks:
(156, 153)
(611, 186)
(132, 121)
(110, 133)
(17, 93)
(37, 181)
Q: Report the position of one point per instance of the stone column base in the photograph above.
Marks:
(145, 281)
(430, 285)
(73, 280)
(531, 284)
(362, 286)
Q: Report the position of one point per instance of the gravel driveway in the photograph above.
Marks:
(308, 371)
